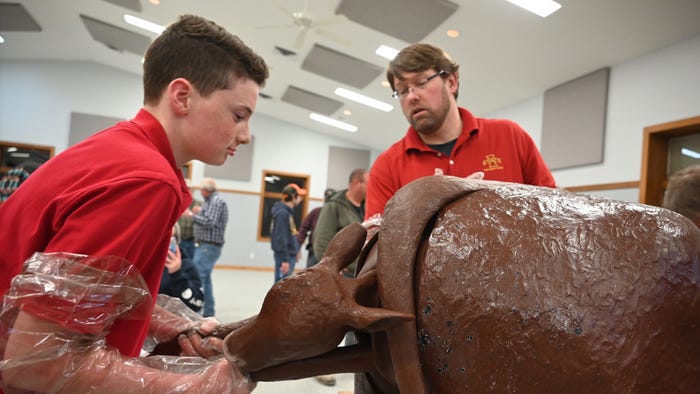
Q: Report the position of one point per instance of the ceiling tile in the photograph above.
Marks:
(134, 5)
(115, 37)
(14, 17)
(311, 101)
(424, 16)
(340, 67)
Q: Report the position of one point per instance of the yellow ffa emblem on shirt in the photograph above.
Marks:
(492, 163)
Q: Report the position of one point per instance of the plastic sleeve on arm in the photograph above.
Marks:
(53, 324)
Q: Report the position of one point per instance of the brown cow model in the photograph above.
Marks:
(485, 286)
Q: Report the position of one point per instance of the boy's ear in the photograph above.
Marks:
(179, 93)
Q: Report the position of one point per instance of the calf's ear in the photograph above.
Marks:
(376, 319)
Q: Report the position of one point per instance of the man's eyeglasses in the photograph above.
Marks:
(400, 94)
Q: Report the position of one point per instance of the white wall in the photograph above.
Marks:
(36, 99)
(656, 88)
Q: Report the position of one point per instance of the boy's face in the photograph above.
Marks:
(218, 124)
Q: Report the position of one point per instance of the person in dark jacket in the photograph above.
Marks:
(344, 208)
(307, 229)
(283, 231)
(181, 279)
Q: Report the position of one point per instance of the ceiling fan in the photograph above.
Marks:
(305, 21)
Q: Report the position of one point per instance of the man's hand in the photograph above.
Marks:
(477, 176)
(284, 268)
(173, 262)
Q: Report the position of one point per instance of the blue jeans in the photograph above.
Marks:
(187, 248)
(278, 264)
(205, 255)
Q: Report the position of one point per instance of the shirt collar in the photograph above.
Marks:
(155, 133)
(470, 128)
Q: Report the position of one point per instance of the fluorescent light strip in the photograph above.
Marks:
(387, 52)
(143, 24)
(333, 122)
(542, 8)
(362, 99)
(690, 153)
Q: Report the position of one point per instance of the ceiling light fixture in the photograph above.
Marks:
(143, 24)
(387, 52)
(542, 8)
(333, 122)
(452, 33)
(1, 40)
(690, 153)
(362, 99)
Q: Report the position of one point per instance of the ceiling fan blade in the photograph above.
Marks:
(333, 37)
(284, 10)
(331, 20)
(301, 37)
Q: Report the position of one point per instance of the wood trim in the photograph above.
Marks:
(603, 186)
(655, 157)
(50, 150)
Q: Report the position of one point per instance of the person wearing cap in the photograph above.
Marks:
(307, 229)
(283, 230)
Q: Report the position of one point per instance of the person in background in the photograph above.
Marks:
(307, 229)
(444, 138)
(683, 193)
(187, 232)
(118, 193)
(283, 230)
(344, 208)
(10, 181)
(180, 277)
(341, 209)
(209, 223)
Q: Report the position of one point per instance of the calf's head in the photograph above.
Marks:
(308, 314)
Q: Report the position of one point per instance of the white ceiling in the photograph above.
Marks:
(506, 54)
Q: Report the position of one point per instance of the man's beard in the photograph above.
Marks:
(435, 119)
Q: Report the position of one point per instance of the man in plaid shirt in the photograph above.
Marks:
(209, 222)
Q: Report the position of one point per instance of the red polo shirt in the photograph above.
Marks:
(118, 192)
(498, 147)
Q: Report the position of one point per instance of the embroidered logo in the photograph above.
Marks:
(492, 163)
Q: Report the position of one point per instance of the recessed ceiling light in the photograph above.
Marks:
(332, 122)
(542, 8)
(452, 33)
(143, 24)
(1, 40)
(385, 83)
(387, 52)
(690, 153)
(347, 112)
(362, 99)
(154, 2)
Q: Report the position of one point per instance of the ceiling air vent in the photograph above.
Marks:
(14, 17)
(115, 37)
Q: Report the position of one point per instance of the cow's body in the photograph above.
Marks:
(512, 288)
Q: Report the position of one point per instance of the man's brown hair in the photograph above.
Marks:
(202, 52)
(683, 193)
(420, 57)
